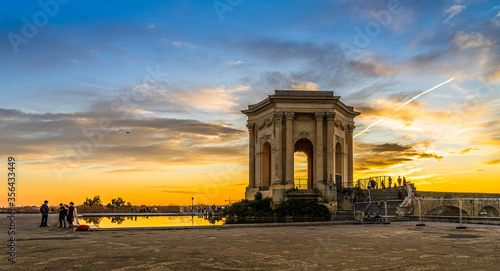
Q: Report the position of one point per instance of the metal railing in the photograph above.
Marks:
(460, 207)
(369, 204)
(300, 183)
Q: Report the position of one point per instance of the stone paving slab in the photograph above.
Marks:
(397, 246)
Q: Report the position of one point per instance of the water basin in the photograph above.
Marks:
(147, 221)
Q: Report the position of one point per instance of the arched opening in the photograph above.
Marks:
(445, 211)
(266, 165)
(300, 167)
(303, 164)
(488, 211)
(339, 169)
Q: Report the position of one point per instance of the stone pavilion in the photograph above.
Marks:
(316, 123)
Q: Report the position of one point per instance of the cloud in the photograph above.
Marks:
(155, 96)
(82, 139)
(235, 63)
(390, 147)
(493, 162)
(453, 11)
(77, 62)
(138, 170)
(220, 98)
(381, 156)
(374, 68)
(465, 41)
(496, 20)
(428, 155)
(325, 64)
(179, 44)
(464, 151)
(305, 86)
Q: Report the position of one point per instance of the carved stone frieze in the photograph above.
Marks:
(330, 116)
(304, 134)
(303, 117)
(265, 123)
(251, 126)
(339, 124)
(265, 138)
(289, 115)
(319, 116)
(278, 116)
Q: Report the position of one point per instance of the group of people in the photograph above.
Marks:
(372, 184)
(66, 214)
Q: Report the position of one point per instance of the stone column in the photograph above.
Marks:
(278, 139)
(330, 146)
(350, 157)
(319, 146)
(251, 156)
(289, 147)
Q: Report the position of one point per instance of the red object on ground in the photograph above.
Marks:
(82, 228)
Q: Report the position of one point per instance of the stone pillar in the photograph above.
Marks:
(289, 147)
(319, 147)
(350, 157)
(251, 156)
(278, 139)
(330, 146)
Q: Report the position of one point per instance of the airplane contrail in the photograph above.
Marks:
(399, 107)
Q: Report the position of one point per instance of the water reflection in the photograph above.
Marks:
(117, 219)
(150, 221)
(90, 220)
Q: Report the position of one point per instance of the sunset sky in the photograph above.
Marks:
(142, 99)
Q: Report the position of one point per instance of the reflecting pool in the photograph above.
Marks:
(148, 221)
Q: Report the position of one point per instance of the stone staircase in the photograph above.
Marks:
(390, 195)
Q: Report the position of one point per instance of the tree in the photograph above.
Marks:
(96, 201)
(117, 203)
(258, 196)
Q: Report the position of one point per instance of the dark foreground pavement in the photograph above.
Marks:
(398, 246)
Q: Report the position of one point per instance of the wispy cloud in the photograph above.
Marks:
(179, 44)
(464, 40)
(235, 63)
(453, 11)
(496, 20)
(305, 86)
(464, 151)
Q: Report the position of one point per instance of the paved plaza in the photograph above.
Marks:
(398, 246)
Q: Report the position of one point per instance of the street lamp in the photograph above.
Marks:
(192, 204)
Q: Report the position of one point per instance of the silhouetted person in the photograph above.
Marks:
(404, 181)
(400, 195)
(379, 206)
(390, 182)
(71, 214)
(44, 210)
(62, 215)
(399, 181)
